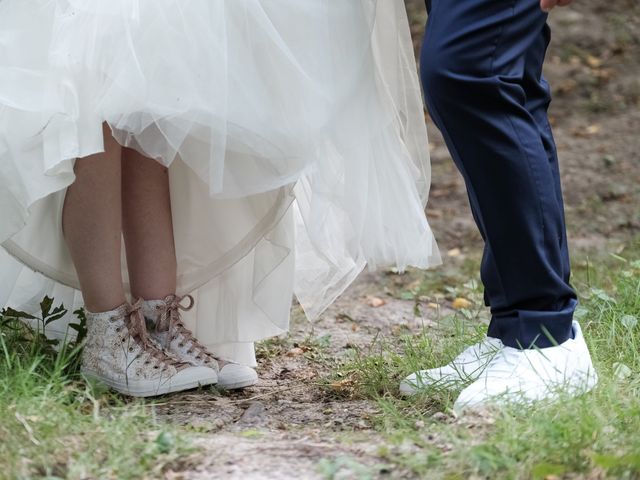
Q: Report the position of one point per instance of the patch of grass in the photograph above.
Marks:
(55, 425)
(594, 435)
(314, 348)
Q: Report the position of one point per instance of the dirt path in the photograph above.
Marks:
(290, 425)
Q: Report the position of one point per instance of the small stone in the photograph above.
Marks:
(255, 413)
(609, 160)
(440, 417)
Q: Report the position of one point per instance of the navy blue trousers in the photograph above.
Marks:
(481, 67)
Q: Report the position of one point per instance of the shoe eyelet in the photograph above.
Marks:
(123, 340)
(131, 349)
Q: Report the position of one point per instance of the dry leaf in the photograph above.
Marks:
(454, 252)
(342, 385)
(375, 302)
(594, 62)
(603, 74)
(567, 86)
(434, 213)
(295, 352)
(592, 129)
(461, 303)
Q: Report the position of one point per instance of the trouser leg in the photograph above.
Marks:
(481, 67)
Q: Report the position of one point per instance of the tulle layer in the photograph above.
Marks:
(256, 106)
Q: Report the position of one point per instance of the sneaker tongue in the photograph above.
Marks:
(136, 324)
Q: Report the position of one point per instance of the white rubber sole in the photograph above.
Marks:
(151, 388)
(238, 385)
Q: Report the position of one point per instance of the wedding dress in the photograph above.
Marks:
(293, 131)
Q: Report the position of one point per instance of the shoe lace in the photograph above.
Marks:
(170, 321)
(136, 325)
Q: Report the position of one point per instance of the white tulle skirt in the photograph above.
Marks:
(293, 131)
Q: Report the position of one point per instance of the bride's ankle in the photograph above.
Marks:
(104, 305)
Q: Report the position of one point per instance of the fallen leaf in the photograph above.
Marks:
(434, 213)
(621, 371)
(592, 129)
(594, 62)
(461, 303)
(566, 86)
(295, 352)
(342, 385)
(454, 252)
(629, 321)
(375, 302)
(603, 74)
(575, 60)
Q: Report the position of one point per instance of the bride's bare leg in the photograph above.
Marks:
(151, 257)
(147, 226)
(92, 225)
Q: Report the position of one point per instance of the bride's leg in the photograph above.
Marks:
(92, 225)
(117, 350)
(151, 257)
(147, 226)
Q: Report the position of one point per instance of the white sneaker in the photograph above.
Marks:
(119, 353)
(166, 328)
(527, 376)
(465, 368)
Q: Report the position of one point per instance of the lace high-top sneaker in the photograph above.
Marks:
(119, 353)
(166, 328)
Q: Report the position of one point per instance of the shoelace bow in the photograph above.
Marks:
(170, 321)
(136, 324)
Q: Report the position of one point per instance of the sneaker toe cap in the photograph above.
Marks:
(234, 375)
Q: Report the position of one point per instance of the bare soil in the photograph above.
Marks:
(291, 425)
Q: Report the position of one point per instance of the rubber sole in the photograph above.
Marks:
(238, 385)
(150, 389)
